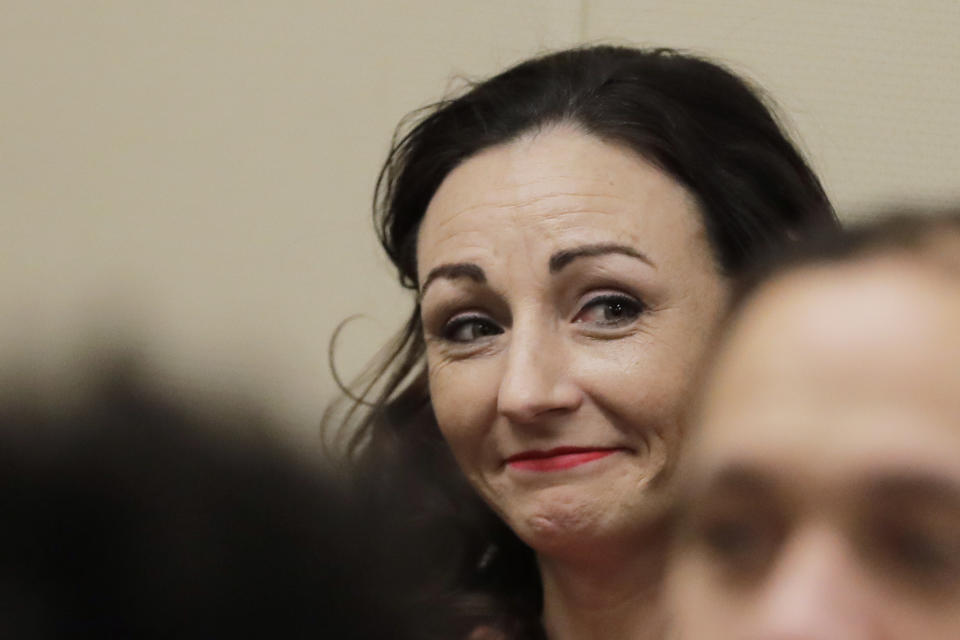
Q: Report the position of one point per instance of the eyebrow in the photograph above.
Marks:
(561, 259)
(914, 486)
(557, 262)
(454, 271)
(905, 486)
(739, 478)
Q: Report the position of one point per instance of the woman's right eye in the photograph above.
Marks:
(731, 540)
(741, 546)
(465, 329)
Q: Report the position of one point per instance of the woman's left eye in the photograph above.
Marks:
(610, 311)
(917, 553)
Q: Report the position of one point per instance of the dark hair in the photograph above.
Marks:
(930, 236)
(692, 118)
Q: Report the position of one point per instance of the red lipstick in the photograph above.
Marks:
(557, 459)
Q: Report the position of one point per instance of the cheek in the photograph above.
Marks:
(643, 386)
(699, 608)
(644, 380)
(463, 395)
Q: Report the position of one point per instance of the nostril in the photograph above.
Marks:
(536, 379)
(527, 402)
(814, 591)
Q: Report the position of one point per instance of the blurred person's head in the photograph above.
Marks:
(138, 514)
(822, 486)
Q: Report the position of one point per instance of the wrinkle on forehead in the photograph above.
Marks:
(564, 188)
(567, 208)
(519, 200)
(549, 166)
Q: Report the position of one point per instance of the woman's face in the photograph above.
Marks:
(568, 292)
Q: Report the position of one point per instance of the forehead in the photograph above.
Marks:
(553, 188)
(838, 369)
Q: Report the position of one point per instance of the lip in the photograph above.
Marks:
(558, 458)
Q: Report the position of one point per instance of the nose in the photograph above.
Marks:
(537, 377)
(817, 592)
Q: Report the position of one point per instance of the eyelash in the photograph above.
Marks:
(741, 542)
(920, 556)
(623, 302)
(482, 326)
(475, 320)
(744, 546)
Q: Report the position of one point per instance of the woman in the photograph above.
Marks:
(569, 228)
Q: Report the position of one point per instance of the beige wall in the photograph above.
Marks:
(194, 177)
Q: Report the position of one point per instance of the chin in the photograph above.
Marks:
(565, 522)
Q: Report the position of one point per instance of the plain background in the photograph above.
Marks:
(191, 179)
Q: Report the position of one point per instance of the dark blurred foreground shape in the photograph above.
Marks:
(133, 515)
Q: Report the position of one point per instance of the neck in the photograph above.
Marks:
(605, 596)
